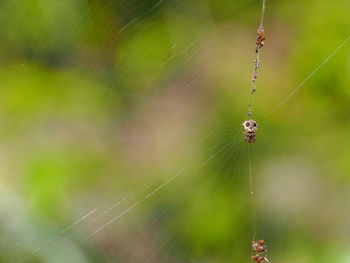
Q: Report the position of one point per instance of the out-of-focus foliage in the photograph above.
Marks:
(107, 100)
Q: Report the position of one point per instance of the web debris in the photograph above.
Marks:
(259, 44)
(260, 248)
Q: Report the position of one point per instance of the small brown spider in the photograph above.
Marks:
(250, 127)
(260, 39)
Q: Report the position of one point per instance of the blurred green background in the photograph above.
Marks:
(121, 139)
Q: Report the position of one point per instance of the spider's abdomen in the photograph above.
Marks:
(250, 137)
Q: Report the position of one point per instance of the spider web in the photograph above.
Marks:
(123, 141)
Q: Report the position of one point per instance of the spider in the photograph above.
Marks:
(250, 127)
(260, 39)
